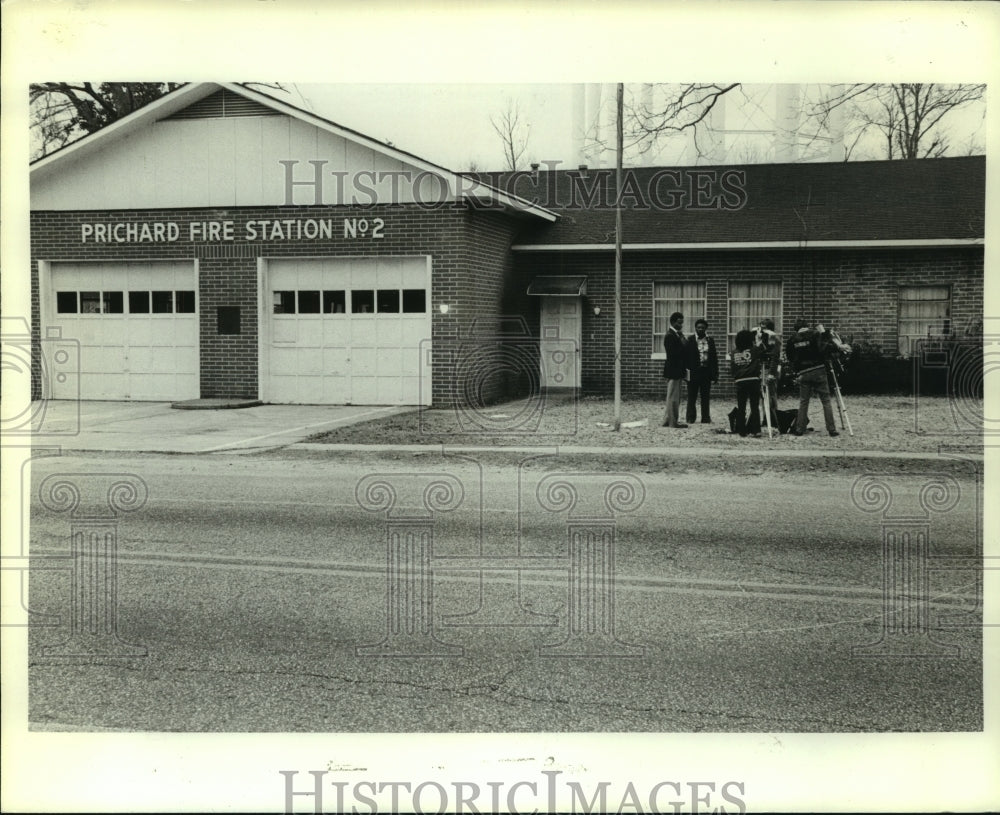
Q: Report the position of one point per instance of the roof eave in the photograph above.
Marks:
(164, 106)
(902, 243)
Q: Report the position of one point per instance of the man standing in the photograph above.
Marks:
(745, 367)
(674, 368)
(703, 368)
(807, 351)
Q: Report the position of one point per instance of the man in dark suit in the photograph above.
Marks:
(674, 369)
(703, 370)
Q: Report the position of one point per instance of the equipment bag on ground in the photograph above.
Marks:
(785, 420)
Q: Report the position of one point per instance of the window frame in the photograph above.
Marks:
(104, 299)
(402, 297)
(774, 314)
(657, 351)
(946, 321)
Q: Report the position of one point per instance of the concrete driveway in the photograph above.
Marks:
(157, 427)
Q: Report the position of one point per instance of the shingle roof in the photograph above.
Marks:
(921, 199)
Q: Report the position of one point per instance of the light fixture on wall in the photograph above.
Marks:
(443, 308)
(597, 311)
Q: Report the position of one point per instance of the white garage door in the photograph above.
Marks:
(137, 326)
(347, 331)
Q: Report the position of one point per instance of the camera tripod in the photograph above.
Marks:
(845, 420)
(765, 393)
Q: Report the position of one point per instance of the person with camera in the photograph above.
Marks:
(770, 342)
(745, 367)
(703, 370)
(807, 351)
(674, 369)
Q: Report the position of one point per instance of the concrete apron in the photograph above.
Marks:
(158, 427)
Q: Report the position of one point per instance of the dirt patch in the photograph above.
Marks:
(885, 424)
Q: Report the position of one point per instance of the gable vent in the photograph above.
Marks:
(223, 104)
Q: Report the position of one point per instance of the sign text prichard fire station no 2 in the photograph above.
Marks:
(261, 229)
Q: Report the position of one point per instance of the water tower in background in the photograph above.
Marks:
(750, 124)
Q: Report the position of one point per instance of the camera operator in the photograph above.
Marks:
(807, 352)
(745, 367)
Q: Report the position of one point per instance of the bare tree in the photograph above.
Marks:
(513, 133)
(913, 120)
(50, 123)
(682, 108)
(64, 111)
(909, 117)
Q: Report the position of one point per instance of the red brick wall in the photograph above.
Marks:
(492, 300)
(469, 263)
(477, 276)
(854, 291)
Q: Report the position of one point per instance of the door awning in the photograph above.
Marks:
(559, 285)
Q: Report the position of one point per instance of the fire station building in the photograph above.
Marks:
(222, 243)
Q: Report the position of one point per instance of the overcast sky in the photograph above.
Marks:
(450, 124)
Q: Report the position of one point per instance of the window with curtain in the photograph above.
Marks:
(749, 303)
(687, 298)
(924, 311)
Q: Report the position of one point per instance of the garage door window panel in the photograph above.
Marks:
(309, 302)
(112, 302)
(66, 302)
(388, 301)
(184, 301)
(163, 302)
(90, 302)
(334, 302)
(414, 301)
(284, 302)
(138, 302)
(363, 301)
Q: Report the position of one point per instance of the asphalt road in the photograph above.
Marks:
(737, 603)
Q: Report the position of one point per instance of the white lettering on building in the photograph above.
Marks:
(259, 229)
(130, 232)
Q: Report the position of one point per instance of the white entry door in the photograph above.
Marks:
(136, 325)
(346, 331)
(559, 338)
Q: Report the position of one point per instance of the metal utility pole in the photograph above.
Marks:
(618, 263)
